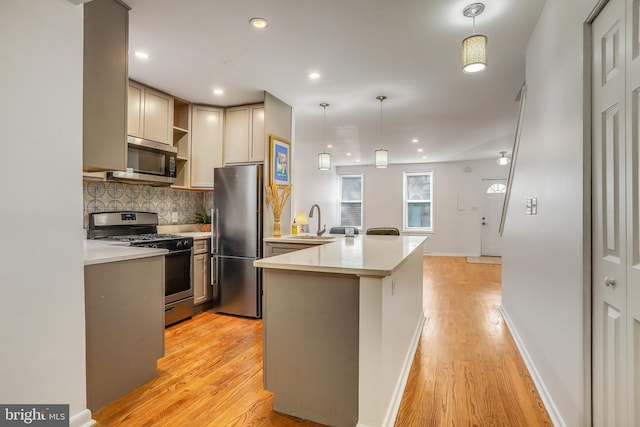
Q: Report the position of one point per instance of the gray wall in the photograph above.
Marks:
(42, 305)
(278, 118)
(543, 279)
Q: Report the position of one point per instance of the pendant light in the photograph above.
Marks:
(503, 160)
(381, 154)
(474, 47)
(324, 159)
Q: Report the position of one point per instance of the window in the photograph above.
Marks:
(497, 188)
(418, 201)
(351, 201)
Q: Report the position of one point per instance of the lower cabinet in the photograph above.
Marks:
(273, 249)
(124, 318)
(202, 291)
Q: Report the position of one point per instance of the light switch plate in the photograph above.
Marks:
(174, 217)
(534, 206)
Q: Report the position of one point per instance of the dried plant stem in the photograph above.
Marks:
(277, 198)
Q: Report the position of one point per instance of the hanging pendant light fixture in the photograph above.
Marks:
(474, 47)
(382, 159)
(324, 159)
(503, 160)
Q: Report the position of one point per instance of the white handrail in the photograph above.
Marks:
(514, 156)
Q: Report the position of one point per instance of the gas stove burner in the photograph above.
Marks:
(144, 237)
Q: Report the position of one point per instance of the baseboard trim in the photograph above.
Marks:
(396, 399)
(81, 419)
(450, 254)
(549, 405)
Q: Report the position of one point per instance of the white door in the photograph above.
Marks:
(493, 199)
(614, 226)
(633, 209)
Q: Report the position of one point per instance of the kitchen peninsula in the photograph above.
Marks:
(341, 324)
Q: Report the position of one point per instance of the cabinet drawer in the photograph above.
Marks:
(274, 249)
(200, 246)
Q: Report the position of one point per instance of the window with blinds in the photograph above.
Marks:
(418, 201)
(351, 201)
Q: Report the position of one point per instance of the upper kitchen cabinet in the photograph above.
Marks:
(150, 114)
(207, 124)
(104, 130)
(182, 141)
(244, 134)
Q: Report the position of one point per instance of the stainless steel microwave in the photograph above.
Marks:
(148, 162)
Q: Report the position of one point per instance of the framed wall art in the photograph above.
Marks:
(280, 160)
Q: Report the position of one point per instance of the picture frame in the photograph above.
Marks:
(279, 160)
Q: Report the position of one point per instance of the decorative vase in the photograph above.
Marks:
(276, 227)
(205, 227)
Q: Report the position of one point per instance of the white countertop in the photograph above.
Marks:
(100, 252)
(197, 235)
(361, 255)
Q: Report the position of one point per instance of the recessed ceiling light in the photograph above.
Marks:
(314, 76)
(141, 55)
(424, 157)
(329, 146)
(420, 150)
(415, 140)
(348, 154)
(259, 23)
(218, 92)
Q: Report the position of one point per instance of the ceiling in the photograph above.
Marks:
(407, 50)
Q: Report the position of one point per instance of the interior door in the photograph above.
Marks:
(609, 225)
(493, 199)
(632, 88)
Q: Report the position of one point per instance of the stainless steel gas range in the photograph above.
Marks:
(141, 229)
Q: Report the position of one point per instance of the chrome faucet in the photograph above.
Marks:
(320, 232)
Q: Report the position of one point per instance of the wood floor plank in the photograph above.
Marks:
(466, 372)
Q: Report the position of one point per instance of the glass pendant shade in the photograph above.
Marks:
(324, 161)
(381, 158)
(474, 53)
(503, 160)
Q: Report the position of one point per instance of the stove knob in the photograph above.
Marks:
(180, 244)
(153, 246)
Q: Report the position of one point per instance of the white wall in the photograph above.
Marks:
(543, 280)
(313, 186)
(41, 273)
(457, 227)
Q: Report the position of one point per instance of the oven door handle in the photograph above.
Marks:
(176, 253)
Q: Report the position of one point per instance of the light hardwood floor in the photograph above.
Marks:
(467, 370)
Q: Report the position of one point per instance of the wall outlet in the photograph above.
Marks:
(174, 217)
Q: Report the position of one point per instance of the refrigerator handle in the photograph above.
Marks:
(215, 244)
(214, 271)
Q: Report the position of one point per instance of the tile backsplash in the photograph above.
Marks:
(116, 196)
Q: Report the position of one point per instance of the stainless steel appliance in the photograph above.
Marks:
(149, 162)
(237, 240)
(140, 229)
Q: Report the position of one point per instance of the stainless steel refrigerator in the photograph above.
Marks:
(237, 240)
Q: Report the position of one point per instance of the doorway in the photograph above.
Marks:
(493, 199)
